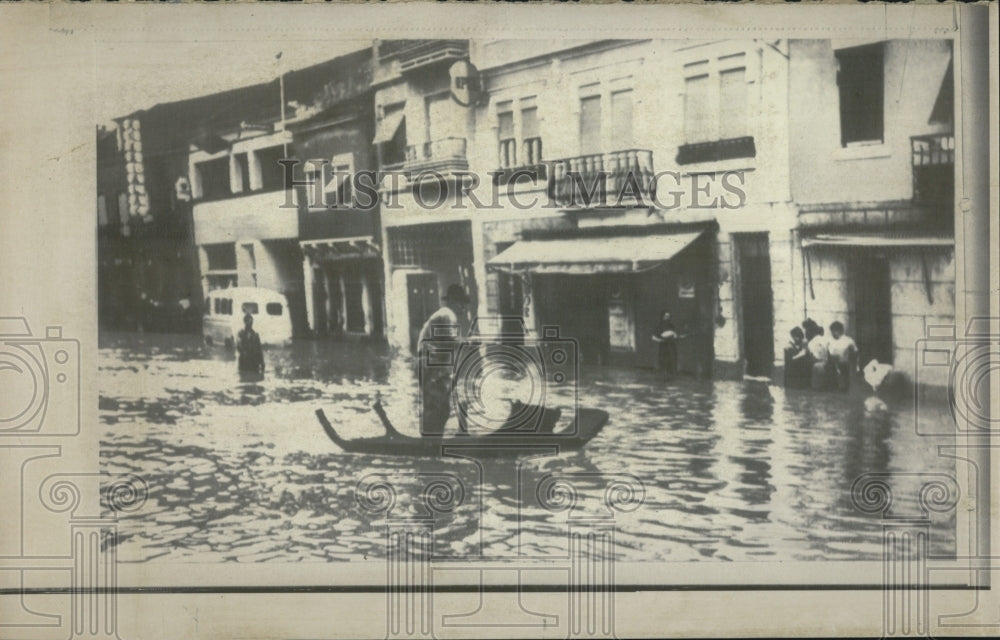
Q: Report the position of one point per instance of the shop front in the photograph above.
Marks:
(424, 260)
(609, 290)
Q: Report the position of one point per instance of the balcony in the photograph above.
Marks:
(258, 216)
(447, 154)
(617, 179)
(418, 54)
(933, 161)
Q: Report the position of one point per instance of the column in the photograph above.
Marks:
(410, 544)
(328, 302)
(592, 579)
(972, 234)
(94, 606)
(307, 287)
(366, 303)
(343, 301)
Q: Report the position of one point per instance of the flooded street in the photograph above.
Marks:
(730, 470)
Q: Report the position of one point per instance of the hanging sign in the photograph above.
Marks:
(464, 83)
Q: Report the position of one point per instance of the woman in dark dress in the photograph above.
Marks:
(798, 364)
(666, 336)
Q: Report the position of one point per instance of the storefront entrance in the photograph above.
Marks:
(872, 307)
(610, 293)
(756, 309)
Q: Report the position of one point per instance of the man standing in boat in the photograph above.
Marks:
(439, 335)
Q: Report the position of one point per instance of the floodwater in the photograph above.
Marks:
(704, 470)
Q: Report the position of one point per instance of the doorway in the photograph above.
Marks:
(422, 301)
(872, 307)
(756, 308)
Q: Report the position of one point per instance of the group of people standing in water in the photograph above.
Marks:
(813, 359)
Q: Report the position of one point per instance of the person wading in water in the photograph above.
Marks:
(440, 332)
(251, 355)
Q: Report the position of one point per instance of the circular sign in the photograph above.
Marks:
(464, 82)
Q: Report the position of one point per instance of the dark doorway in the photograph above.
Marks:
(755, 303)
(577, 306)
(872, 307)
(510, 291)
(423, 299)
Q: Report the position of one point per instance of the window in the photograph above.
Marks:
(220, 256)
(697, 127)
(272, 173)
(860, 83)
(251, 307)
(240, 173)
(531, 138)
(716, 111)
(214, 178)
(590, 124)
(716, 99)
(391, 135)
(516, 117)
(621, 119)
(733, 103)
(505, 132)
(224, 306)
(338, 187)
(273, 308)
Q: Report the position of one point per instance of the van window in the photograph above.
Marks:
(251, 307)
(224, 306)
(218, 306)
(274, 308)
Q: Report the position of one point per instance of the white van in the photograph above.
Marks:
(225, 308)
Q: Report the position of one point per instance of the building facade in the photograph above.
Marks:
(740, 185)
(148, 274)
(339, 234)
(684, 142)
(872, 155)
(421, 142)
(614, 182)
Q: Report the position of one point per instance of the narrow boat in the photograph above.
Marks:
(512, 439)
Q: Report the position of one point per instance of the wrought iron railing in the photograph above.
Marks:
(933, 160)
(619, 178)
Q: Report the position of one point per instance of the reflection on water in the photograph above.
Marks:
(730, 470)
